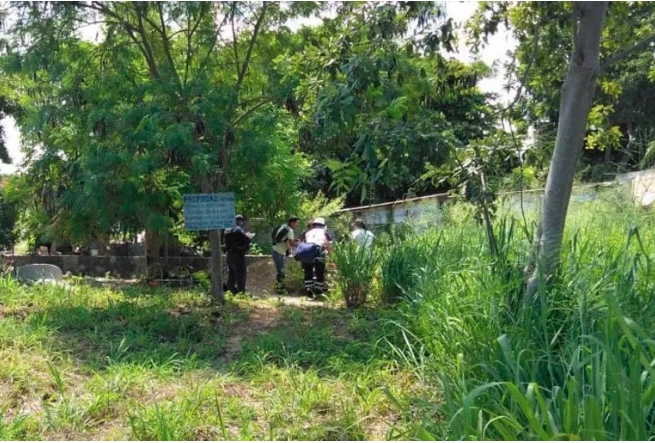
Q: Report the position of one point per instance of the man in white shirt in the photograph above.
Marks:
(361, 235)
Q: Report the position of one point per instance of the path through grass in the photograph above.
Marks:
(89, 363)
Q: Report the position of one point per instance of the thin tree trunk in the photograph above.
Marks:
(216, 261)
(575, 103)
(166, 254)
(627, 153)
(216, 266)
(152, 253)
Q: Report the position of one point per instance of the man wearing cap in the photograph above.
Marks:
(317, 235)
(237, 243)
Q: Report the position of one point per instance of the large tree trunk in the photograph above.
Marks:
(575, 103)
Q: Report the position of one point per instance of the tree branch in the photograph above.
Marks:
(131, 32)
(187, 60)
(234, 40)
(190, 33)
(259, 98)
(246, 61)
(167, 46)
(533, 56)
(627, 52)
(203, 64)
(248, 112)
(146, 44)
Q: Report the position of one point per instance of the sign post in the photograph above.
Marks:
(211, 212)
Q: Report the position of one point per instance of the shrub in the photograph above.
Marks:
(402, 264)
(204, 279)
(356, 268)
(8, 217)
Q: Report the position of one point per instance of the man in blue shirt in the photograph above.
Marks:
(237, 243)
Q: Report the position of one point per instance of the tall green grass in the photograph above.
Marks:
(356, 267)
(577, 364)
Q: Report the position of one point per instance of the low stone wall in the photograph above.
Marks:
(128, 267)
(82, 265)
(261, 269)
(641, 185)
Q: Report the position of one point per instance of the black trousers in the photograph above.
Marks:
(236, 276)
(318, 267)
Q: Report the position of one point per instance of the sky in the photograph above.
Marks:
(494, 54)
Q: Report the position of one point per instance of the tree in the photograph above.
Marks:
(376, 102)
(576, 100)
(191, 76)
(594, 31)
(621, 109)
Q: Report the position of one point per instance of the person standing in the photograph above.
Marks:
(283, 240)
(361, 235)
(237, 243)
(314, 269)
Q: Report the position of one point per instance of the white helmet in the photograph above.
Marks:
(319, 221)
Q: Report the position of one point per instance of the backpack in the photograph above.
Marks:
(235, 242)
(307, 252)
(279, 233)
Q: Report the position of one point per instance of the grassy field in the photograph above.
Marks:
(88, 363)
(444, 349)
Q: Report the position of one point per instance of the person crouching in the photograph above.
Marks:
(312, 252)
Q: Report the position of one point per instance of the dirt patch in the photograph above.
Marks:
(7, 399)
(292, 300)
(263, 318)
(20, 313)
(261, 277)
(108, 431)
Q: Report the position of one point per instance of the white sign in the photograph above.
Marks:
(207, 212)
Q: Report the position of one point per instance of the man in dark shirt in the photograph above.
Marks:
(237, 243)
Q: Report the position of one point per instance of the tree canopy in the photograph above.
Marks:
(620, 125)
(374, 110)
(182, 97)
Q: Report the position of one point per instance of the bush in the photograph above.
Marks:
(204, 279)
(356, 268)
(402, 264)
(8, 217)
